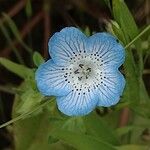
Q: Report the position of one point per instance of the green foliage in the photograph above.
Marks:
(28, 8)
(20, 70)
(87, 31)
(81, 141)
(132, 147)
(124, 27)
(29, 100)
(125, 20)
(98, 128)
(37, 59)
(75, 124)
(32, 132)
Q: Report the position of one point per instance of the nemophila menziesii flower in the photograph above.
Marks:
(82, 72)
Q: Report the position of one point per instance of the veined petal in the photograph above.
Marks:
(75, 104)
(107, 48)
(51, 81)
(111, 89)
(66, 44)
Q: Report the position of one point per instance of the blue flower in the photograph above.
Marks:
(82, 72)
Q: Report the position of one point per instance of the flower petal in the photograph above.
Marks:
(75, 104)
(65, 44)
(107, 48)
(51, 81)
(111, 89)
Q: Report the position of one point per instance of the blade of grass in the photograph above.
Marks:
(137, 37)
(7, 89)
(28, 113)
(6, 34)
(16, 33)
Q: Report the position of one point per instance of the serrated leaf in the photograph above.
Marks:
(98, 128)
(81, 141)
(20, 70)
(37, 58)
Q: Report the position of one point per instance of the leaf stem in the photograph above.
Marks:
(138, 36)
(27, 113)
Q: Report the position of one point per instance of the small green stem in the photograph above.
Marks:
(27, 113)
(138, 36)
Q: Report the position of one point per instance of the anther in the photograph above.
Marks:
(76, 71)
(81, 65)
(79, 78)
(88, 69)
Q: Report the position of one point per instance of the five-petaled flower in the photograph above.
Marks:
(82, 72)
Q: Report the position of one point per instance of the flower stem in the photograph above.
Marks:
(138, 36)
(27, 113)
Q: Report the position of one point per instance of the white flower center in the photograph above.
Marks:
(85, 72)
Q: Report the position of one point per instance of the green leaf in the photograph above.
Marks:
(132, 147)
(87, 31)
(29, 100)
(29, 130)
(114, 28)
(20, 70)
(75, 124)
(37, 59)
(98, 128)
(28, 8)
(135, 89)
(81, 141)
(124, 18)
(51, 140)
(137, 135)
(123, 130)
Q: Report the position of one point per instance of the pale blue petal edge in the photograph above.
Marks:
(108, 48)
(77, 105)
(108, 98)
(50, 80)
(65, 44)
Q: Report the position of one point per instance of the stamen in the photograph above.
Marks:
(79, 78)
(81, 65)
(88, 69)
(76, 71)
